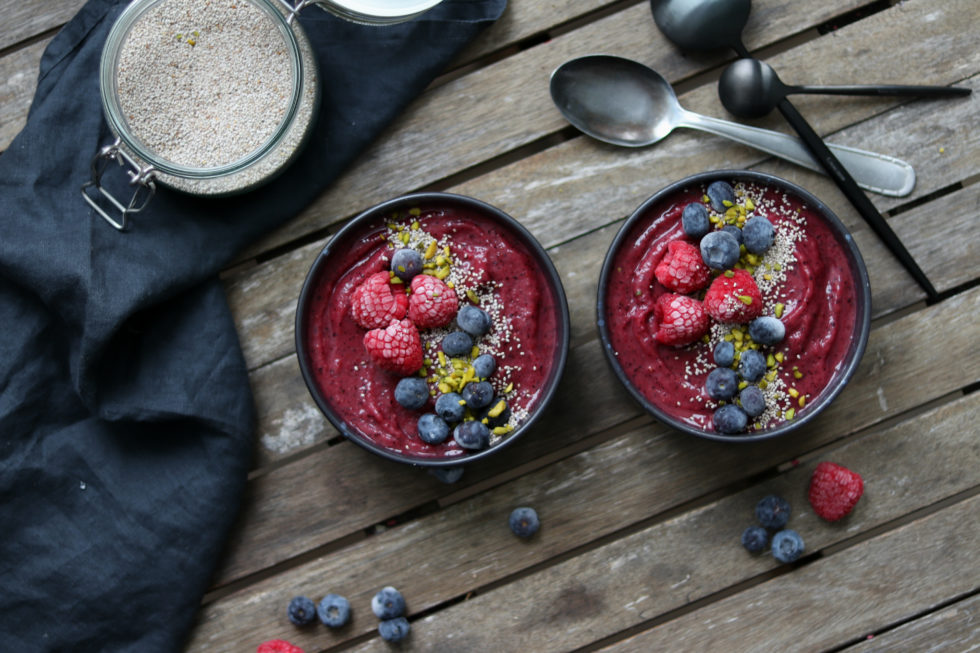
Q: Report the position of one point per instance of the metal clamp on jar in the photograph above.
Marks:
(211, 98)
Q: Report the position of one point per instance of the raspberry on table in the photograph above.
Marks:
(376, 302)
(733, 297)
(397, 348)
(682, 270)
(679, 320)
(834, 490)
(278, 646)
(432, 303)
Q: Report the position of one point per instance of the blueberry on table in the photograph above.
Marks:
(432, 429)
(477, 394)
(694, 220)
(720, 250)
(755, 539)
(448, 475)
(484, 365)
(724, 354)
(334, 610)
(388, 603)
(787, 546)
(472, 435)
(752, 400)
(412, 392)
(772, 512)
(406, 264)
(449, 407)
(758, 234)
(524, 522)
(457, 344)
(734, 231)
(729, 419)
(301, 611)
(751, 365)
(473, 320)
(720, 192)
(767, 330)
(721, 384)
(394, 630)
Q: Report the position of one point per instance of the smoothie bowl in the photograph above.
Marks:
(734, 305)
(432, 329)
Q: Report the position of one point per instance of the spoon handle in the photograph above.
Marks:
(875, 172)
(858, 199)
(884, 90)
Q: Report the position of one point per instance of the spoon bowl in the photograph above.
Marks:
(702, 24)
(749, 88)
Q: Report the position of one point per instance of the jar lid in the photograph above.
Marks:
(377, 12)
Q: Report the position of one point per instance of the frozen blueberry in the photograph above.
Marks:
(719, 250)
(477, 394)
(694, 220)
(524, 522)
(447, 475)
(484, 365)
(787, 545)
(472, 435)
(729, 419)
(388, 603)
(752, 400)
(720, 192)
(301, 611)
(494, 413)
(772, 512)
(724, 354)
(735, 231)
(450, 407)
(334, 610)
(412, 392)
(758, 234)
(394, 630)
(767, 330)
(457, 343)
(406, 263)
(433, 429)
(751, 365)
(474, 321)
(721, 384)
(755, 539)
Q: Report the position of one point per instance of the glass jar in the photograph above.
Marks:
(376, 12)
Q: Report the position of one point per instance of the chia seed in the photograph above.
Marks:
(207, 84)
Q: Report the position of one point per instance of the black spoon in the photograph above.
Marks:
(750, 88)
(710, 24)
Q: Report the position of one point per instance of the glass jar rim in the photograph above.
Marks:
(112, 108)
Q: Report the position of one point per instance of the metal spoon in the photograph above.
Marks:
(623, 102)
(750, 88)
(709, 24)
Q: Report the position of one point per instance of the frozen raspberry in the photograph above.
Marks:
(683, 270)
(834, 490)
(397, 348)
(376, 302)
(679, 320)
(432, 303)
(733, 297)
(278, 646)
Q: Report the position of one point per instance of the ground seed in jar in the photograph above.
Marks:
(204, 84)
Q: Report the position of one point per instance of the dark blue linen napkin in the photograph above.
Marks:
(126, 419)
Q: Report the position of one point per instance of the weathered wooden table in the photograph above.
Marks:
(639, 548)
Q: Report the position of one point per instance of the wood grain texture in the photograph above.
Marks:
(25, 19)
(283, 514)
(467, 545)
(18, 72)
(955, 628)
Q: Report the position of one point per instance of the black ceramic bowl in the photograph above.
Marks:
(669, 381)
(491, 254)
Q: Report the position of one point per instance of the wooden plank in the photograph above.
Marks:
(506, 105)
(467, 546)
(285, 515)
(25, 19)
(955, 628)
(18, 72)
(839, 598)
